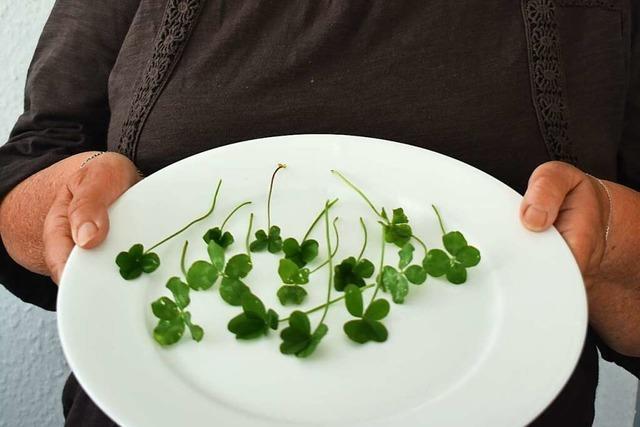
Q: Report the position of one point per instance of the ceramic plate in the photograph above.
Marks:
(494, 351)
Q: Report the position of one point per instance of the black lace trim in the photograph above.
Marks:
(604, 4)
(178, 21)
(547, 77)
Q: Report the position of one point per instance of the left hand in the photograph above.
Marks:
(560, 194)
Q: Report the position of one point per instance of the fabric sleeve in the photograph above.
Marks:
(629, 161)
(66, 109)
(629, 152)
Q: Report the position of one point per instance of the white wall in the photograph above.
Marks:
(32, 368)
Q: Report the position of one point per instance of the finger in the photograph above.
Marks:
(549, 185)
(93, 190)
(56, 235)
(581, 225)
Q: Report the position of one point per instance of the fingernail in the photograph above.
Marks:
(535, 218)
(86, 232)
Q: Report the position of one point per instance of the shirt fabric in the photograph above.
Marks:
(502, 85)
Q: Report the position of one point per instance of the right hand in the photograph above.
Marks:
(78, 215)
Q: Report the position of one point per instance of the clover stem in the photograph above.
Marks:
(320, 307)
(335, 250)
(439, 218)
(213, 206)
(379, 282)
(246, 240)
(330, 254)
(360, 192)
(419, 240)
(233, 212)
(364, 245)
(273, 177)
(182, 257)
(318, 218)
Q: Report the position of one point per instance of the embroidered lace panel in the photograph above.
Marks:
(547, 78)
(179, 19)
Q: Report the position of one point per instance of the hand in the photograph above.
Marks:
(562, 195)
(78, 214)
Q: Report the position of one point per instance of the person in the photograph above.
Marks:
(542, 94)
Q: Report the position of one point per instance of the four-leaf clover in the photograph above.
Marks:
(271, 242)
(135, 261)
(454, 265)
(352, 272)
(301, 254)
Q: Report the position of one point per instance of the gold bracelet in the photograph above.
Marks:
(91, 157)
(606, 190)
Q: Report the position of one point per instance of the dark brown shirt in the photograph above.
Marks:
(503, 85)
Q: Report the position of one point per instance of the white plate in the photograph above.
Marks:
(494, 351)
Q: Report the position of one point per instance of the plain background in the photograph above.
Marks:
(32, 366)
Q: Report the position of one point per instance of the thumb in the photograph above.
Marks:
(93, 190)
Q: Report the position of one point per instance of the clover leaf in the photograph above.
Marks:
(454, 264)
(291, 294)
(201, 275)
(173, 318)
(301, 254)
(352, 272)
(396, 281)
(271, 242)
(255, 319)
(397, 231)
(232, 290)
(291, 274)
(297, 338)
(135, 261)
(224, 239)
(368, 327)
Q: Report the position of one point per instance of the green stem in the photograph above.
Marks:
(352, 185)
(315, 221)
(364, 245)
(379, 282)
(330, 254)
(213, 206)
(333, 301)
(231, 214)
(273, 177)
(182, 257)
(417, 239)
(335, 229)
(439, 218)
(246, 240)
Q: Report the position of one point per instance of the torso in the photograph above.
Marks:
(460, 78)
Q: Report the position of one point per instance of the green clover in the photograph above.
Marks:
(397, 231)
(291, 294)
(291, 274)
(301, 254)
(297, 338)
(224, 239)
(136, 261)
(254, 321)
(173, 318)
(396, 281)
(368, 326)
(352, 272)
(271, 242)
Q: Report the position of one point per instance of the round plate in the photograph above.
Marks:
(493, 351)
